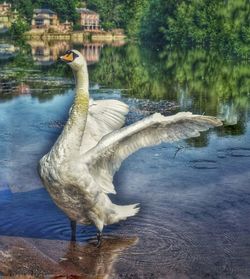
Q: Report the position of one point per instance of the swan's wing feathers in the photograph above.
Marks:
(105, 159)
(104, 117)
(112, 113)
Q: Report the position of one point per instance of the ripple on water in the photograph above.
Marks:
(45, 228)
(234, 152)
(160, 244)
(203, 164)
(169, 243)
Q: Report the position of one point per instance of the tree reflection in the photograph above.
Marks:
(197, 80)
(211, 85)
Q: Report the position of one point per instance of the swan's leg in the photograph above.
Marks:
(73, 230)
(99, 225)
(99, 239)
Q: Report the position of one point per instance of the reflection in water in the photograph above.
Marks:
(36, 86)
(228, 112)
(12, 87)
(46, 53)
(39, 258)
(214, 85)
(197, 80)
(92, 52)
(7, 51)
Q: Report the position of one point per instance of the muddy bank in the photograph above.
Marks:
(39, 258)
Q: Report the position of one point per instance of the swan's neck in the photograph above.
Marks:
(69, 142)
(82, 79)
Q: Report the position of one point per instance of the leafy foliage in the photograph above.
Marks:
(215, 24)
(221, 25)
(64, 8)
(155, 20)
(18, 27)
(125, 14)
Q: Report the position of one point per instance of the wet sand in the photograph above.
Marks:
(39, 258)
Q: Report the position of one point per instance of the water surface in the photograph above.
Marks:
(194, 194)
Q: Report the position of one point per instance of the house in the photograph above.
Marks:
(6, 16)
(48, 19)
(45, 53)
(66, 26)
(44, 18)
(89, 20)
(5, 7)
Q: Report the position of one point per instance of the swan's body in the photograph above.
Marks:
(78, 171)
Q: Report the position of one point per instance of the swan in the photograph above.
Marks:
(78, 170)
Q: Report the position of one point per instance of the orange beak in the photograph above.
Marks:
(67, 57)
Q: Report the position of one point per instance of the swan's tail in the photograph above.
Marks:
(125, 211)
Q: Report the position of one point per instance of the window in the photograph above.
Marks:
(39, 22)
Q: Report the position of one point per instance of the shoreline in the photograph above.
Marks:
(74, 36)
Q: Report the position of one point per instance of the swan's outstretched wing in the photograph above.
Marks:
(104, 117)
(106, 157)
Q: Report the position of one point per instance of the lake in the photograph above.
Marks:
(194, 195)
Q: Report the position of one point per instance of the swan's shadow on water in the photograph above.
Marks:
(40, 257)
(34, 215)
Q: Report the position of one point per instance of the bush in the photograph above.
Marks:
(18, 28)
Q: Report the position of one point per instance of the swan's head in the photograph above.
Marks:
(74, 59)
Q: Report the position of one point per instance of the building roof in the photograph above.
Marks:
(41, 17)
(85, 11)
(44, 11)
(5, 13)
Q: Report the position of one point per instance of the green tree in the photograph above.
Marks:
(125, 14)
(216, 24)
(155, 20)
(110, 11)
(66, 9)
(18, 28)
(133, 13)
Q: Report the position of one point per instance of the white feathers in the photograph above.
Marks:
(104, 117)
(78, 171)
(106, 157)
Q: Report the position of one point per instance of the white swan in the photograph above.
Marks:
(78, 171)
